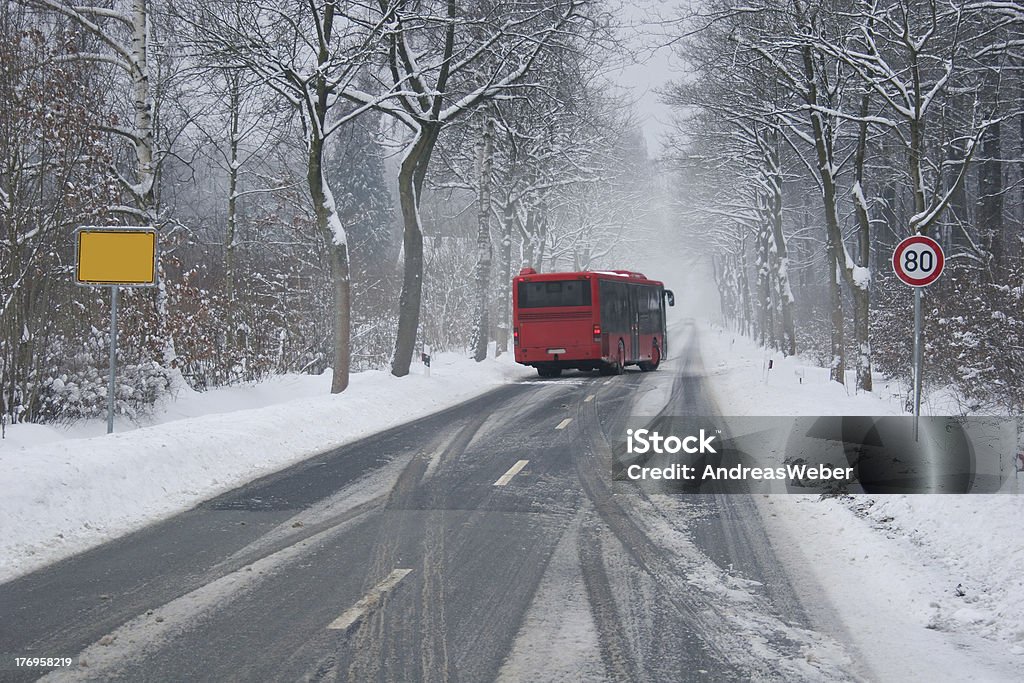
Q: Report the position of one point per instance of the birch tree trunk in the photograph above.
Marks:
(862, 285)
(142, 101)
(234, 103)
(144, 188)
(837, 365)
(779, 257)
(483, 245)
(505, 286)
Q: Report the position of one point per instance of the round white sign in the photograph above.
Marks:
(918, 261)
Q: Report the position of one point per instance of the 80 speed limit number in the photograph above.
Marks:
(918, 261)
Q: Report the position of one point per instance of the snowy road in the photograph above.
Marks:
(481, 543)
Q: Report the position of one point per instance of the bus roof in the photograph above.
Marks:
(530, 274)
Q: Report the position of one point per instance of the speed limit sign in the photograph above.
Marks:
(918, 261)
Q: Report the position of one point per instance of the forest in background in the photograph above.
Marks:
(334, 183)
(337, 183)
(812, 137)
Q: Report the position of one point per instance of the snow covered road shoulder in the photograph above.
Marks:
(61, 496)
(924, 587)
(915, 604)
(738, 372)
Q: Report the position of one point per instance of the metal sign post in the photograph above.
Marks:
(115, 257)
(918, 261)
(113, 359)
(917, 359)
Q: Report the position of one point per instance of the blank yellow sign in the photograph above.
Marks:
(116, 257)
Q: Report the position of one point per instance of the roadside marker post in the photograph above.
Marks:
(115, 257)
(918, 262)
(425, 357)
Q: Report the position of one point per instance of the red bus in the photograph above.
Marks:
(597, 320)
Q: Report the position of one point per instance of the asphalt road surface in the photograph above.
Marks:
(481, 543)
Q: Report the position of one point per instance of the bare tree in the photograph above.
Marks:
(868, 99)
(53, 164)
(310, 57)
(740, 129)
(122, 40)
(442, 61)
(565, 174)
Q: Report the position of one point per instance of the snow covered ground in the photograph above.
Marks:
(924, 587)
(183, 403)
(66, 490)
(739, 374)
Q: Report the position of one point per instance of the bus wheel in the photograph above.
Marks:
(549, 372)
(615, 367)
(654, 362)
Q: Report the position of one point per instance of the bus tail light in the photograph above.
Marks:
(597, 333)
(515, 336)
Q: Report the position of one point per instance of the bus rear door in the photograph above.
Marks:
(633, 353)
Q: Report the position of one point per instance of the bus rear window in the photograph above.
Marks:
(557, 293)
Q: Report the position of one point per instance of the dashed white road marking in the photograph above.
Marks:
(607, 381)
(564, 423)
(588, 399)
(512, 471)
(356, 612)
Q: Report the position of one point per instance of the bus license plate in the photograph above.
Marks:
(554, 352)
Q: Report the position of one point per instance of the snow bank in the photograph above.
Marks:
(738, 372)
(979, 540)
(918, 580)
(60, 495)
(185, 403)
(914, 605)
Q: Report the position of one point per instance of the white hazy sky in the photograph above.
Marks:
(652, 69)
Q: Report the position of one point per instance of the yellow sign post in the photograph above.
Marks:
(115, 257)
